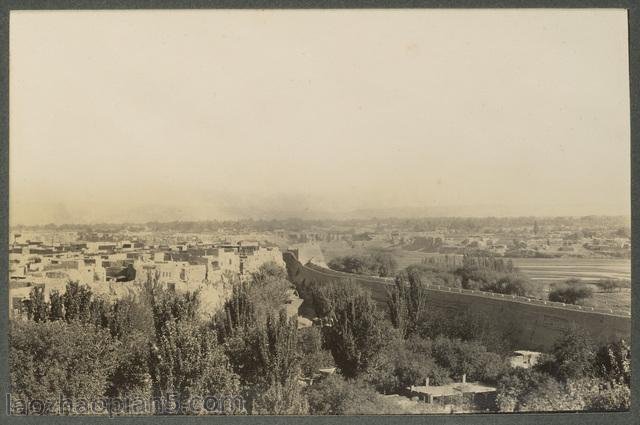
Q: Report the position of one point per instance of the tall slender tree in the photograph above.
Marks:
(407, 303)
(56, 306)
(357, 333)
(77, 302)
(37, 307)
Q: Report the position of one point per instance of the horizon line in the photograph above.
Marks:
(263, 219)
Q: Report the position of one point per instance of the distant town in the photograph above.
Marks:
(187, 255)
(498, 307)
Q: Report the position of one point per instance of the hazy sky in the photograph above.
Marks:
(165, 115)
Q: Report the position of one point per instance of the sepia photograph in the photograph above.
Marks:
(318, 212)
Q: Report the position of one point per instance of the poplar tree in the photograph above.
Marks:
(37, 307)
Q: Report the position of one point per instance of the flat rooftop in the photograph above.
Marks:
(453, 389)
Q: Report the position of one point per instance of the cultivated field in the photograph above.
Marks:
(545, 271)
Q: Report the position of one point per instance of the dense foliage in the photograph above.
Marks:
(422, 224)
(570, 293)
(375, 264)
(494, 275)
(63, 359)
(576, 375)
(156, 343)
(358, 330)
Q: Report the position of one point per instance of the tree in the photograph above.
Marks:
(611, 396)
(467, 358)
(613, 362)
(407, 303)
(279, 363)
(337, 396)
(412, 364)
(99, 311)
(187, 360)
(281, 399)
(322, 298)
(349, 264)
(269, 297)
(131, 374)
(580, 394)
(398, 306)
(37, 307)
(572, 356)
(486, 273)
(77, 302)
(131, 314)
(570, 294)
(623, 232)
(313, 352)
(514, 386)
(52, 359)
(56, 306)
(553, 396)
(185, 356)
(383, 264)
(167, 306)
(269, 271)
(357, 334)
(276, 349)
(378, 263)
(237, 314)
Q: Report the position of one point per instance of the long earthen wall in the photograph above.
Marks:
(531, 324)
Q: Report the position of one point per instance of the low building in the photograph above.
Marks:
(480, 394)
(524, 359)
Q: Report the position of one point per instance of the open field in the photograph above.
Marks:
(543, 270)
(341, 248)
(610, 300)
(548, 269)
(581, 268)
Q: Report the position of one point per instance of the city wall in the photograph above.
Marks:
(531, 324)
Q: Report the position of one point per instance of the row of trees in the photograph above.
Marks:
(576, 375)
(574, 291)
(570, 293)
(378, 263)
(157, 344)
(495, 275)
(478, 272)
(619, 224)
(390, 356)
(417, 343)
(262, 344)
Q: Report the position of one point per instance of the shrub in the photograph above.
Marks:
(358, 333)
(467, 358)
(281, 399)
(572, 356)
(188, 360)
(611, 285)
(268, 271)
(494, 276)
(613, 396)
(551, 395)
(52, 359)
(414, 363)
(311, 348)
(570, 294)
(514, 386)
(613, 362)
(337, 396)
(377, 264)
(468, 326)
